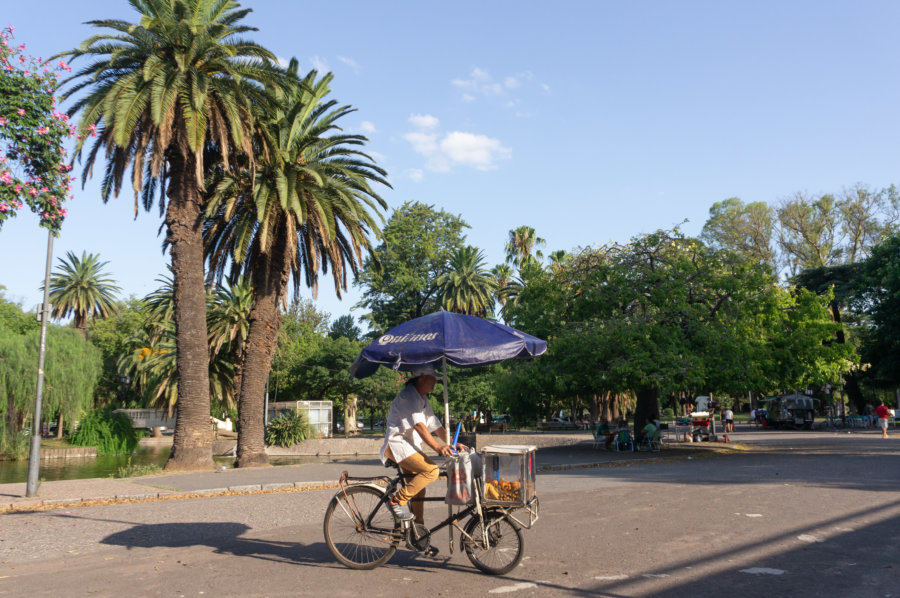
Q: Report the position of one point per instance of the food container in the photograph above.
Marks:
(509, 473)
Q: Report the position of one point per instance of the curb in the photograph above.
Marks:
(56, 503)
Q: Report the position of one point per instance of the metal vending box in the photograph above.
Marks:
(509, 475)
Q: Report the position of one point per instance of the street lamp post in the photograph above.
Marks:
(34, 457)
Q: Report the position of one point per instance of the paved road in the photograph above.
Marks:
(800, 515)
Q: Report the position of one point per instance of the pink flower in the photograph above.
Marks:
(43, 130)
(32, 191)
(2, 121)
(20, 112)
(17, 188)
(3, 207)
(93, 129)
(63, 212)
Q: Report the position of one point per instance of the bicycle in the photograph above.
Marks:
(362, 533)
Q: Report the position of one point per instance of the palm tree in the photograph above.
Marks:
(522, 241)
(307, 207)
(158, 92)
(228, 318)
(558, 259)
(468, 288)
(502, 274)
(151, 363)
(81, 289)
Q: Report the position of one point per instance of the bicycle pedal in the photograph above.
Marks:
(431, 551)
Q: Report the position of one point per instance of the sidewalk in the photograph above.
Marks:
(310, 476)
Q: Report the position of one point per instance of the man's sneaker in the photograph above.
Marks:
(401, 512)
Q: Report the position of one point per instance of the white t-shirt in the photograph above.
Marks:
(729, 414)
(407, 409)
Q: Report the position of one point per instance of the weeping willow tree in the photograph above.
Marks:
(72, 369)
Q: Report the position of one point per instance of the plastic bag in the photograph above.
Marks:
(460, 488)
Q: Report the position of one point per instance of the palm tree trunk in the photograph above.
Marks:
(192, 443)
(270, 280)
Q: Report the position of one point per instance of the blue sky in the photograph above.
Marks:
(590, 121)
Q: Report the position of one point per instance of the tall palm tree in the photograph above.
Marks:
(522, 241)
(468, 288)
(156, 93)
(81, 289)
(308, 206)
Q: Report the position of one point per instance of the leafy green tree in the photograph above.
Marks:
(467, 287)
(310, 206)
(81, 289)
(155, 94)
(744, 228)
(345, 327)
(665, 314)
(71, 372)
(32, 137)
(400, 281)
(13, 318)
(880, 290)
(111, 336)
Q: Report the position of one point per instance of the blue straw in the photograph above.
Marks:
(456, 436)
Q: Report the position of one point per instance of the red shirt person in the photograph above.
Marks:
(883, 414)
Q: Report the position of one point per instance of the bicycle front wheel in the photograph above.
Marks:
(504, 547)
(360, 530)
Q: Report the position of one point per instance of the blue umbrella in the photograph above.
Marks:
(445, 337)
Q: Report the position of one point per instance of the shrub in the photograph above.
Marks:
(287, 429)
(112, 433)
(668, 413)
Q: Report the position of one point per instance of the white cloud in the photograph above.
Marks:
(478, 151)
(415, 174)
(508, 90)
(320, 64)
(351, 63)
(457, 148)
(282, 61)
(367, 127)
(424, 121)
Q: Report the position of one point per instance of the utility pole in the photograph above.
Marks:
(34, 457)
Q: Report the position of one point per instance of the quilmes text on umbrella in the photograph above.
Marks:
(387, 339)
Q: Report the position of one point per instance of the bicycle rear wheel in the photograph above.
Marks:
(505, 546)
(360, 531)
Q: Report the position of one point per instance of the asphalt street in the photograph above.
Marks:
(801, 515)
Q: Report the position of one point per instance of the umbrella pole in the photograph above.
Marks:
(447, 432)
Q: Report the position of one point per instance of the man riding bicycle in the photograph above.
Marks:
(411, 424)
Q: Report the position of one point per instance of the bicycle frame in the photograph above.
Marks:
(387, 485)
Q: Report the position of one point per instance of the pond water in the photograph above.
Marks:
(105, 466)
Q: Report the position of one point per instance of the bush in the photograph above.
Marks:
(112, 433)
(287, 429)
(668, 413)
